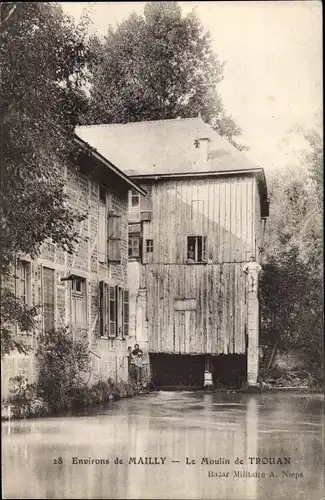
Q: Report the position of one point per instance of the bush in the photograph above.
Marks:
(24, 400)
(64, 364)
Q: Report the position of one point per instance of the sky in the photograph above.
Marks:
(273, 73)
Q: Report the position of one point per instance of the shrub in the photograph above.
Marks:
(64, 364)
(24, 400)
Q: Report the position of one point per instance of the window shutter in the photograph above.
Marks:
(112, 312)
(103, 308)
(125, 313)
(102, 238)
(114, 238)
(204, 248)
(140, 248)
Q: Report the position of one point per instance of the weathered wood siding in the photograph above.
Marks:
(227, 218)
(212, 322)
(257, 223)
(199, 308)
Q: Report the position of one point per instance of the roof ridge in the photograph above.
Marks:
(138, 122)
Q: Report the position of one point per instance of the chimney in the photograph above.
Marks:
(203, 145)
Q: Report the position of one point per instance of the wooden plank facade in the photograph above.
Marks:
(197, 306)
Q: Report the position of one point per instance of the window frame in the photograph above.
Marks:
(23, 267)
(134, 195)
(138, 239)
(149, 245)
(75, 295)
(102, 236)
(48, 319)
(102, 194)
(114, 238)
(200, 247)
(82, 282)
(114, 311)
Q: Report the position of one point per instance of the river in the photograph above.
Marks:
(178, 430)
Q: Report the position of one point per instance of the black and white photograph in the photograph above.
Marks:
(161, 250)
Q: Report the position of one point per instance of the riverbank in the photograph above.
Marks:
(26, 402)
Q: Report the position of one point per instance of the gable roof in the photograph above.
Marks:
(164, 147)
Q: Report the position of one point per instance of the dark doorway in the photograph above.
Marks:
(229, 370)
(177, 370)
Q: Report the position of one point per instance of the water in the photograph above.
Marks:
(172, 426)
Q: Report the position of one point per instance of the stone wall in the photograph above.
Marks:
(109, 355)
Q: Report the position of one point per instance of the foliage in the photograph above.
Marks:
(295, 221)
(24, 400)
(102, 392)
(16, 313)
(292, 281)
(64, 365)
(313, 156)
(27, 400)
(157, 66)
(42, 67)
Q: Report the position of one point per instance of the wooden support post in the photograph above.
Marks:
(253, 341)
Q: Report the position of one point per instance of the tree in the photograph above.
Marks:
(157, 66)
(42, 67)
(313, 157)
(292, 282)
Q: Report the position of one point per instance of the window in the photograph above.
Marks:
(114, 311)
(149, 246)
(48, 298)
(134, 246)
(24, 281)
(23, 285)
(78, 285)
(125, 313)
(134, 199)
(102, 233)
(102, 193)
(196, 248)
(114, 238)
(196, 209)
(78, 301)
(102, 225)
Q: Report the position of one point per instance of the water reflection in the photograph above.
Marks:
(172, 427)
